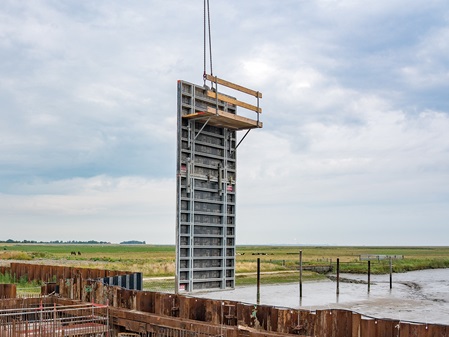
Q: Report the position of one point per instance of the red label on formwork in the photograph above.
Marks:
(229, 188)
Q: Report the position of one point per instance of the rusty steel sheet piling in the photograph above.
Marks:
(169, 314)
(8, 291)
(49, 273)
(141, 311)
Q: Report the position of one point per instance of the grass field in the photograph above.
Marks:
(277, 262)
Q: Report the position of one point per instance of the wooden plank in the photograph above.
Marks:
(232, 116)
(234, 101)
(225, 119)
(234, 86)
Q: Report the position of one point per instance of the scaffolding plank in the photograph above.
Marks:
(234, 86)
(225, 119)
(234, 101)
(231, 118)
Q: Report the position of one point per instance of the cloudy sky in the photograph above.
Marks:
(355, 144)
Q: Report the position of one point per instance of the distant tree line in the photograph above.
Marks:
(133, 242)
(90, 242)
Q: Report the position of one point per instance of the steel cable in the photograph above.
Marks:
(206, 39)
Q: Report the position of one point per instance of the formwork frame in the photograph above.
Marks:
(206, 185)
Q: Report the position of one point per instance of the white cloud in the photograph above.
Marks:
(110, 202)
(355, 115)
(429, 68)
(386, 172)
(383, 146)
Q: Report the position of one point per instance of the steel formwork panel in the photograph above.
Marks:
(206, 192)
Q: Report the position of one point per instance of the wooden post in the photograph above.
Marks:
(369, 275)
(338, 276)
(391, 273)
(258, 280)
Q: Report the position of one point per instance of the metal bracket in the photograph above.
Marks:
(204, 125)
(241, 140)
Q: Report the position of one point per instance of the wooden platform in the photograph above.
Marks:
(225, 119)
(222, 118)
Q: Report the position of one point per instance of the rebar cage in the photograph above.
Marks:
(55, 321)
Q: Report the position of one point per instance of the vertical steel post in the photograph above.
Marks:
(391, 273)
(258, 280)
(338, 276)
(369, 275)
(300, 277)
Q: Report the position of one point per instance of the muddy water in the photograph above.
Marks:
(420, 296)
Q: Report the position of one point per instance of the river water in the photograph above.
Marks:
(419, 296)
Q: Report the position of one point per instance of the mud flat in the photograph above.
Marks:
(419, 296)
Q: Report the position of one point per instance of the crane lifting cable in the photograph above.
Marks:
(212, 92)
(207, 39)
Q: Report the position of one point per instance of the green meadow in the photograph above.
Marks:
(278, 263)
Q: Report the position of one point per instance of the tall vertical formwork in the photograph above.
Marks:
(206, 187)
